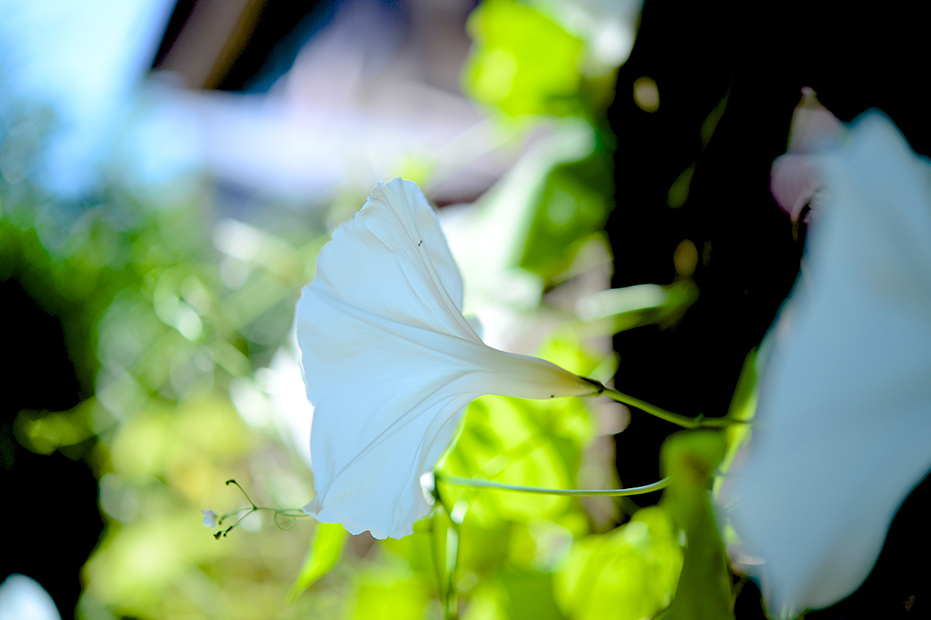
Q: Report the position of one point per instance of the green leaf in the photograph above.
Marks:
(324, 553)
(390, 593)
(627, 574)
(572, 208)
(704, 592)
(620, 309)
(508, 440)
(522, 62)
(547, 213)
(537, 220)
(529, 595)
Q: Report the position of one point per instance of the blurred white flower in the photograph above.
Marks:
(843, 430)
(210, 518)
(22, 598)
(390, 363)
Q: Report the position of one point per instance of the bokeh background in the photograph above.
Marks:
(169, 171)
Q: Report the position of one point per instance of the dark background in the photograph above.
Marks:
(759, 56)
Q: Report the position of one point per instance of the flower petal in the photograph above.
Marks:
(23, 598)
(842, 433)
(390, 363)
(393, 261)
(794, 182)
(210, 518)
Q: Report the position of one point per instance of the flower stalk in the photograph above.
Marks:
(500, 486)
(242, 513)
(674, 418)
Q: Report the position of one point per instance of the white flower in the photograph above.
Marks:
(843, 430)
(390, 362)
(210, 518)
(22, 598)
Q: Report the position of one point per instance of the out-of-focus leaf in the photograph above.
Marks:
(565, 348)
(538, 217)
(520, 442)
(529, 595)
(157, 324)
(620, 309)
(46, 432)
(522, 62)
(504, 439)
(134, 566)
(487, 601)
(571, 209)
(537, 220)
(704, 592)
(679, 190)
(484, 546)
(391, 593)
(324, 553)
(513, 593)
(164, 441)
(627, 574)
(156, 559)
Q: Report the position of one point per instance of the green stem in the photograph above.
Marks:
(286, 512)
(659, 412)
(444, 537)
(488, 484)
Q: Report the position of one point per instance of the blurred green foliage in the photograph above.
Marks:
(628, 573)
(546, 216)
(556, 201)
(325, 551)
(163, 311)
(523, 62)
(691, 459)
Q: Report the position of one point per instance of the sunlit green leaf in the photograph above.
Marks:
(538, 221)
(704, 592)
(514, 529)
(386, 594)
(565, 347)
(517, 442)
(134, 565)
(529, 595)
(572, 207)
(325, 551)
(627, 574)
(522, 61)
(162, 438)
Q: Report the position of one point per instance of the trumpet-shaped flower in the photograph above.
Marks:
(843, 429)
(390, 363)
